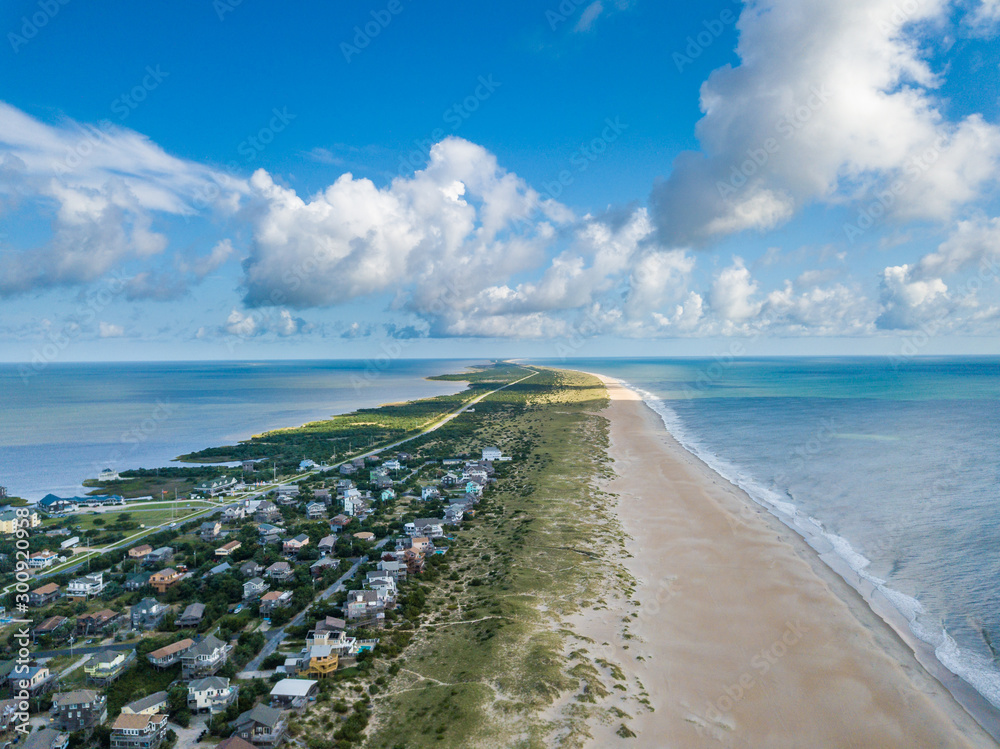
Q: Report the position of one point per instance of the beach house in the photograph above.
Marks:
(213, 694)
(79, 710)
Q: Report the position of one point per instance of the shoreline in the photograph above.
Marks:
(759, 640)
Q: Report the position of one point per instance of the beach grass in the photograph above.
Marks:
(489, 666)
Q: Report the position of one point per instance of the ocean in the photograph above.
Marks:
(67, 422)
(893, 467)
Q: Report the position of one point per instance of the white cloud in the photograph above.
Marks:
(109, 330)
(907, 303)
(589, 15)
(831, 102)
(100, 187)
(731, 294)
(263, 322)
(972, 243)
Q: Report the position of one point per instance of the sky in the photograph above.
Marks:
(235, 179)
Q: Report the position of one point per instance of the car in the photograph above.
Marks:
(172, 525)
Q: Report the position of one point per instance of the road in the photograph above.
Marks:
(85, 650)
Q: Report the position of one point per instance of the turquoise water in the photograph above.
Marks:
(893, 467)
(67, 422)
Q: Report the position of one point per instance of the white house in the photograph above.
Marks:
(430, 527)
(212, 694)
(109, 474)
(392, 465)
(429, 492)
(87, 586)
(492, 453)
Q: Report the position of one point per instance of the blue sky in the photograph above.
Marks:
(229, 180)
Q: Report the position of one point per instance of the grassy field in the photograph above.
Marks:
(495, 665)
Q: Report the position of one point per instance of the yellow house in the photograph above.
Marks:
(10, 521)
(322, 662)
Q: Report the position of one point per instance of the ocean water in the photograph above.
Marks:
(67, 422)
(894, 467)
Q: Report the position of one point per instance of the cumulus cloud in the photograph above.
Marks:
(100, 187)
(907, 303)
(455, 224)
(830, 102)
(255, 323)
(972, 243)
(731, 294)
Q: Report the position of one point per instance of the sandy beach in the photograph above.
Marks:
(742, 637)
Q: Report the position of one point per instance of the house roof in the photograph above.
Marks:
(255, 581)
(166, 573)
(328, 541)
(209, 682)
(46, 589)
(279, 567)
(101, 616)
(147, 702)
(273, 595)
(293, 687)
(220, 568)
(209, 645)
(267, 716)
(195, 609)
(51, 623)
(136, 722)
(172, 648)
(234, 742)
(77, 697)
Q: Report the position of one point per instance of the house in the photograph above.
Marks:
(387, 494)
(137, 581)
(219, 569)
(429, 492)
(88, 586)
(227, 549)
(10, 520)
(421, 544)
(340, 522)
(430, 527)
(392, 465)
(210, 530)
(414, 561)
(35, 680)
(473, 486)
(46, 738)
(191, 617)
(307, 465)
(204, 659)
(170, 654)
(280, 571)
(139, 553)
(97, 622)
(211, 694)
(322, 495)
(49, 627)
(327, 545)
(159, 556)
(315, 510)
(393, 568)
(347, 469)
(254, 587)
(234, 513)
(274, 599)
(148, 613)
(450, 479)
(330, 624)
(269, 534)
(251, 569)
(109, 474)
(363, 604)
(149, 705)
(42, 559)
(138, 731)
(43, 595)
(383, 585)
(287, 490)
(214, 487)
(317, 568)
(293, 693)
(266, 512)
(295, 545)
(492, 453)
(106, 666)
(165, 579)
(79, 710)
(262, 726)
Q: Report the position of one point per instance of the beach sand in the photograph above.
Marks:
(741, 636)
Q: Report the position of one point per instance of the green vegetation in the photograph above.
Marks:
(489, 661)
(153, 482)
(361, 430)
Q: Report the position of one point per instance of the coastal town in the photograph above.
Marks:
(225, 617)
